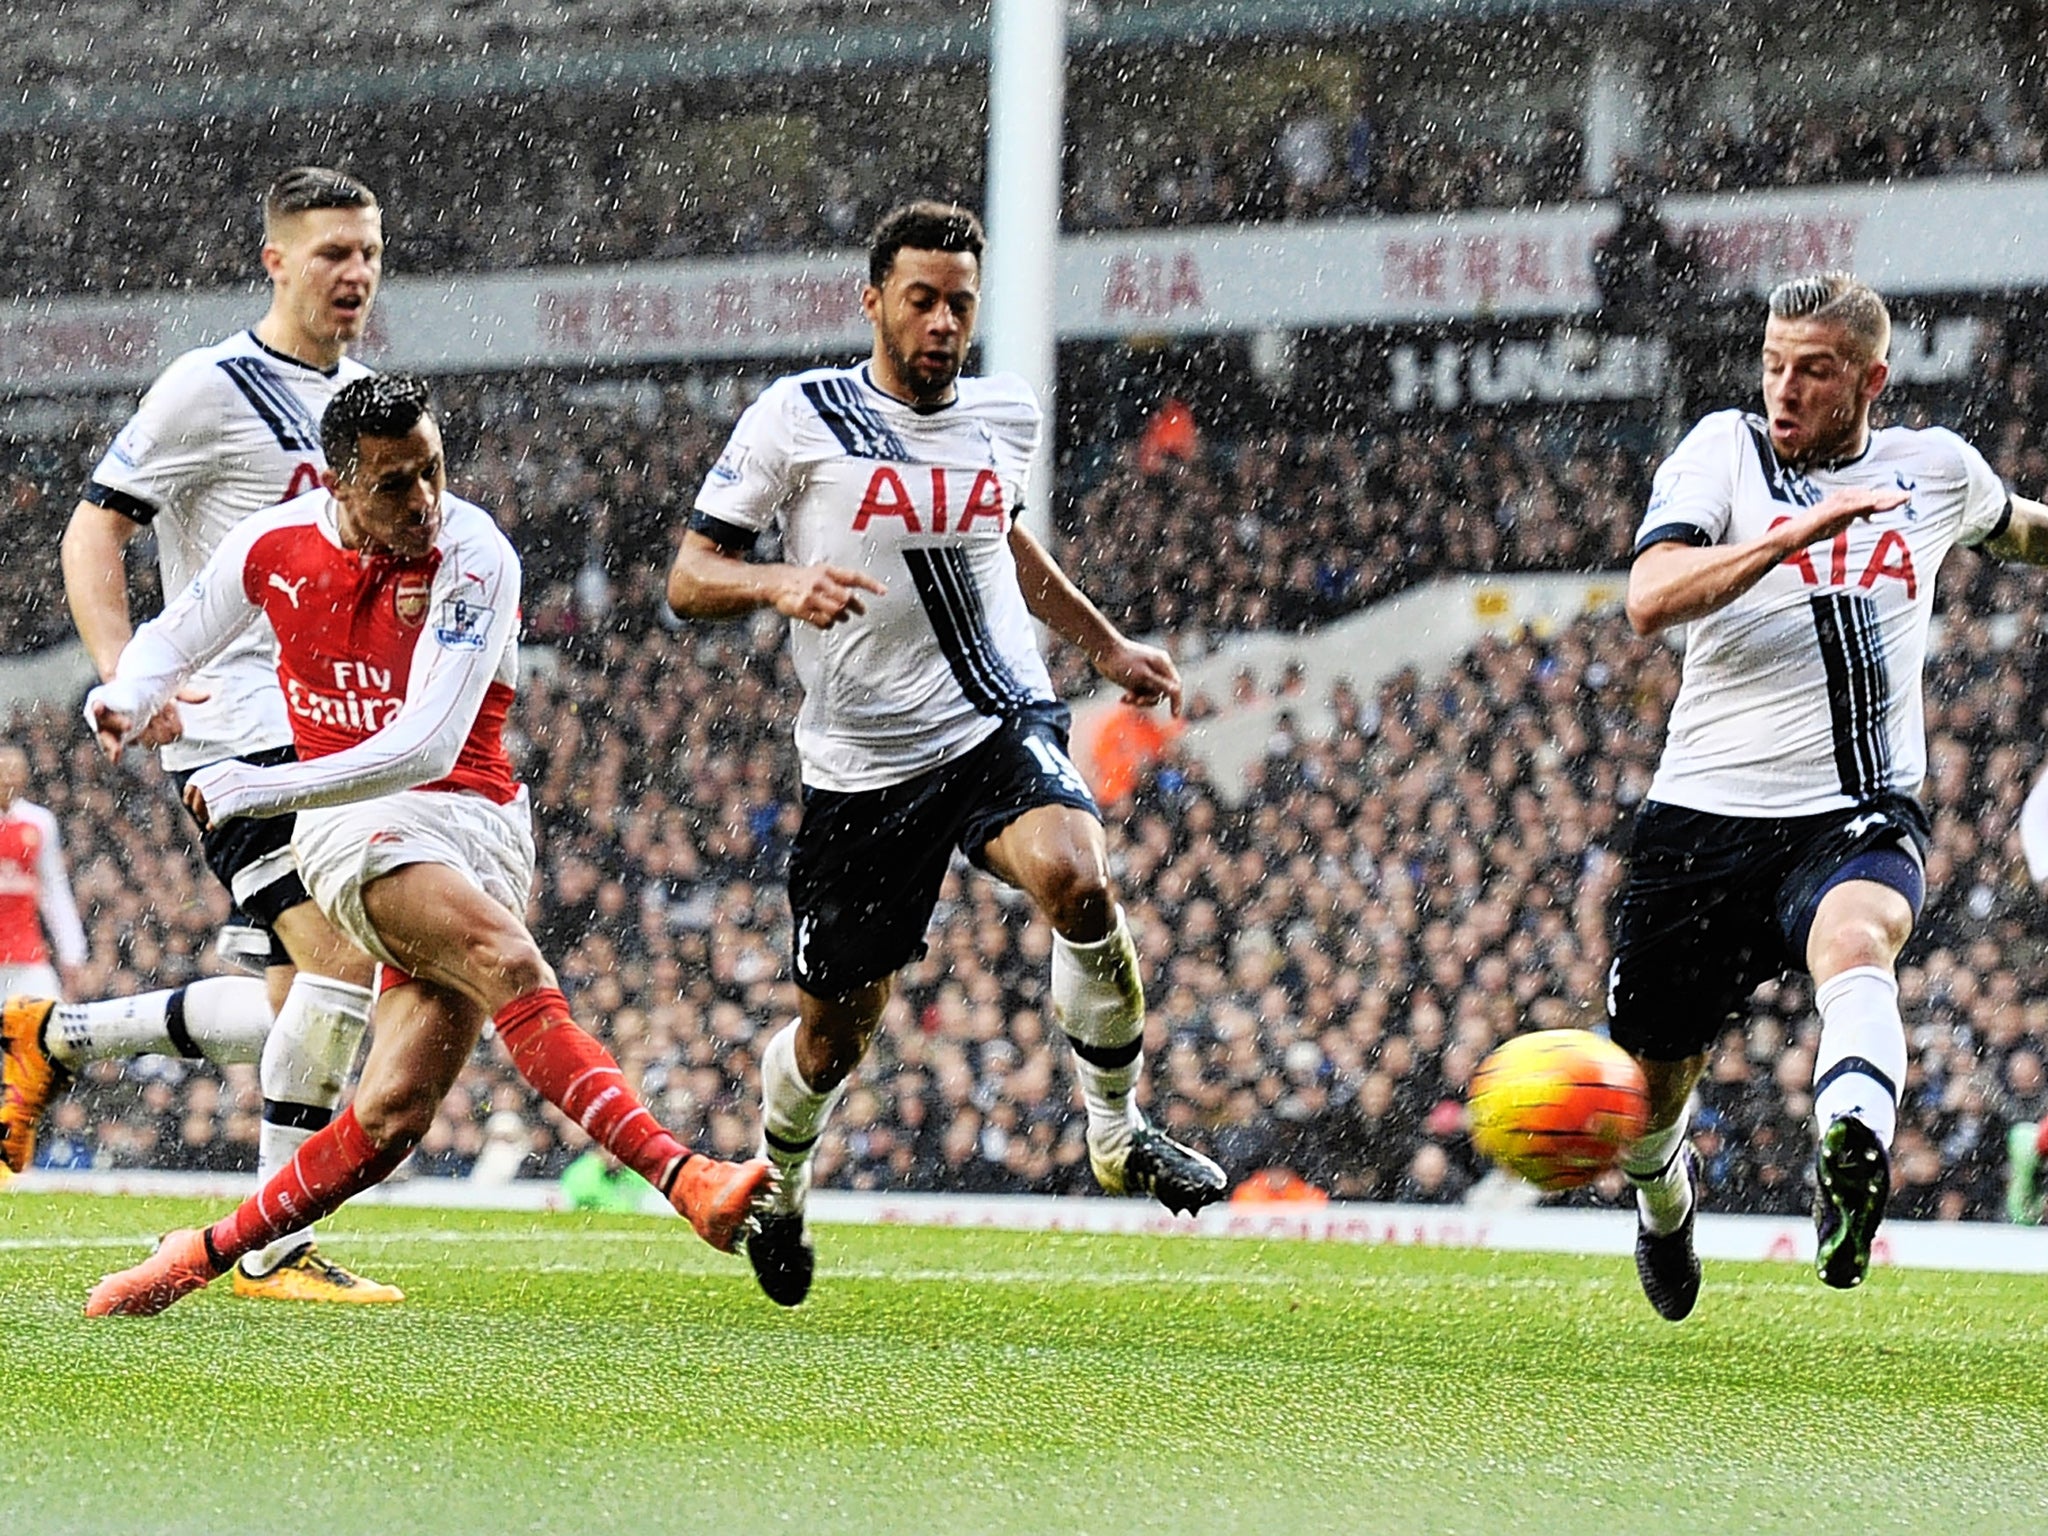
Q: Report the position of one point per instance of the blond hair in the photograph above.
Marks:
(1838, 298)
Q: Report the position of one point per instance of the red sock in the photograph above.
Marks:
(335, 1163)
(580, 1078)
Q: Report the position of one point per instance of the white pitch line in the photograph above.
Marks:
(924, 1276)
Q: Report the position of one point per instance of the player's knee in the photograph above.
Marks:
(1873, 940)
(508, 959)
(1076, 898)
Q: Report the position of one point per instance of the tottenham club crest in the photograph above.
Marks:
(409, 599)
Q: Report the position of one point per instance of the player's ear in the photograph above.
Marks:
(273, 259)
(870, 300)
(330, 481)
(1874, 381)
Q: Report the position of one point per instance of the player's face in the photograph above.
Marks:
(923, 315)
(1817, 394)
(326, 264)
(391, 501)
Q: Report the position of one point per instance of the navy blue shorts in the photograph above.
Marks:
(865, 873)
(1717, 905)
(252, 856)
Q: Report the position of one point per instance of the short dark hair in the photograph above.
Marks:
(381, 405)
(925, 225)
(306, 187)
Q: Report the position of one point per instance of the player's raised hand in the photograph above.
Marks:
(1146, 673)
(1850, 504)
(195, 802)
(825, 595)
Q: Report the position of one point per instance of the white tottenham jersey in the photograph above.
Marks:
(923, 501)
(225, 431)
(1803, 695)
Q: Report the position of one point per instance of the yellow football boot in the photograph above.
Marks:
(309, 1276)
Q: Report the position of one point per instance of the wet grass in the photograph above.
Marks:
(599, 1374)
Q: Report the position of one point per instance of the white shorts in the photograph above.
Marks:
(30, 981)
(343, 848)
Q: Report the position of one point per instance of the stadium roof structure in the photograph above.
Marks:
(449, 49)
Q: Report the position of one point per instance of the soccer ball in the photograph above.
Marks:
(1557, 1106)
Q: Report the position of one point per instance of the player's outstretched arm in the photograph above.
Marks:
(197, 625)
(1146, 673)
(709, 581)
(1675, 583)
(2025, 536)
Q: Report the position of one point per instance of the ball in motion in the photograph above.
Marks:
(1557, 1106)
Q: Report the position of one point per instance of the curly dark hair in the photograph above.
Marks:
(382, 405)
(925, 225)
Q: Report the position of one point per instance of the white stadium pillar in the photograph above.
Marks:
(1026, 126)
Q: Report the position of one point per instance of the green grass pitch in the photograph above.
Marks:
(590, 1375)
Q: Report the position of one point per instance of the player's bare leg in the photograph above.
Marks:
(1858, 1068)
(1055, 854)
(1660, 1167)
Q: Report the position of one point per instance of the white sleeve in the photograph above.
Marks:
(1987, 504)
(1692, 497)
(474, 608)
(197, 625)
(58, 906)
(748, 484)
(169, 446)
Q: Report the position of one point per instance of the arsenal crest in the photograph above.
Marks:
(409, 599)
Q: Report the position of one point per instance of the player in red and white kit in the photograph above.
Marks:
(226, 431)
(37, 912)
(395, 607)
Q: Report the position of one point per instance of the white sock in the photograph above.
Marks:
(792, 1115)
(1860, 1064)
(1655, 1165)
(305, 1066)
(222, 1019)
(1098, 998)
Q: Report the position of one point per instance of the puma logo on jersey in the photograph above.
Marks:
(290, 589)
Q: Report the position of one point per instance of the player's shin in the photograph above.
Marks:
(1098, 998)
(1656, 1168)
(221, 1019)
(306, 1063)
(1860, 1062)
(792, 1116)
(579, 1077)
(333, 1165)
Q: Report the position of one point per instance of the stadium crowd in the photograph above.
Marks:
(664, 172)
(1327, 955)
